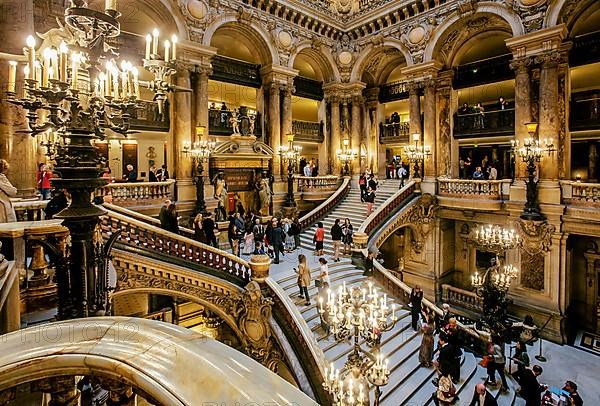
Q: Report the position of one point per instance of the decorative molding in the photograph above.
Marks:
(536, 235)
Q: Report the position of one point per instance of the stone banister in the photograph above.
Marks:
(580, 193)
(155, 358)
(321, 210)
(29, 209)
(474, 189)
(137, 234)
(462, 298)
(316, 183)
(137, 193)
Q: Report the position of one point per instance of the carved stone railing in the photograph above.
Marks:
(308, 88)
(139, 235)
(580, 194)
(317, 183)
(235, 71)
(461, 298)
(392, 204)
(474, 189)
(135, 354)
(393, 132)
(137, 193)
(148, 118)
(311, 131)
(492, 122)
(30, 210)
(321, 210)
(393, 91)
(219, 124)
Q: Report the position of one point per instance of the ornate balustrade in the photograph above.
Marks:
(186, 232)
(489, 70)
(148, 118)
(491, 122)
(586, 49)
(394, 133)
(321, 210)
(474, 189)
(137, 193)
(580, 194)
(585, 110)
(308, 131)
(392, 204)
(317, 183)
(29, 209)
(393, 91)
(461, 298)
(308, 88)
(137, 234)
(232, 70)
(219, 124)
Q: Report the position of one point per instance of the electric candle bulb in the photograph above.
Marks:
(63, 61)
(12, 76)
(148, 45)
(30, 42)
(155, 41)
(174, 43)
(167, 50)
(136, 83)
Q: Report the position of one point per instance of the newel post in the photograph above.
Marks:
(259, 265)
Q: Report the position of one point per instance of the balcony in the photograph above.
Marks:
(394, 133)
(489, 70)
(309, 131)
(473, 194)
(219, 124)
(581, 194)
(234, 71)
(393, 91)
(586, 49)
(308, 88)
(585, 110)
(148, 118)
(491, 122)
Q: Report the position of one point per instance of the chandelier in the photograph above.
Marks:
(346, 155)
(358, 313)
(496, 239)
(417, 153)
(74, 91)
(290, 153)
(499, 278)
(199, 149)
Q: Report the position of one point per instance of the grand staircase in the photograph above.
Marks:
(409, 383)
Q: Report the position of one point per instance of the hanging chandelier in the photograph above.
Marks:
(496, 239)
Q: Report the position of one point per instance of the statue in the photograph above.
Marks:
(234, 120)
(265, 194)
(220, 193)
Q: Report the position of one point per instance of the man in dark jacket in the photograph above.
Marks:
(482, 397)
(208, 225)
(531, 390)
(416, 297)
(336, 237)
(168, 217)
(446, 356)
(277, 240)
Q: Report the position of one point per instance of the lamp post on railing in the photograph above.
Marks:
(531, 152)
(346, 155)
(199, 151)
(417, 153)
(290, 153)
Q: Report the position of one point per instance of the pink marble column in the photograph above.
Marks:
(275, 125)
(522, 106)
(429, 138)
(182, 129)
(335, 134)
(414, 108)
(549, 119)
(357, 102)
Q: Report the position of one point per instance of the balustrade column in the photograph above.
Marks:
(201, 97)
(414, 108)
(549, 120)
(357, 102)
(522, 106)
(335, 134)
(275, 125)
(182, 128)
(429, 138)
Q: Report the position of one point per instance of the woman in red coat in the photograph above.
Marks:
(43, 181)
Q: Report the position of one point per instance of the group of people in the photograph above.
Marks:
(309, 168)
(474, 116)
(341, 234)
(397, 169)
(368, 183)
(158, 175)
(486, 170)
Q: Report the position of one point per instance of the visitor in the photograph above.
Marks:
(308, 169)
(521, 358)
(7, 190)
(478, 174)
(315, 170)
(369, 266)
(239, 223)
(452, 334)
(289, 238)
(402, 174)
(296, 229)
(416, 297)
(43, 181)
(152, 174)
(248, 242)
(199, 234)
(209, 226)
(445, 357)
(259, 231)
(162, 174)
(468, 164)
(445, 394)
(323, 274)
(277, 240)
(531, 390)
(347, 231)
(442, 320)
(57, 204)
(362, 184)
(107, 174)
(479, 114)
(304, 279)
(482, 397)
(234, 238)
(426, 348)
(574, 398)
(258, 248)
(492, 172)
(168, 217)
(391, 170)
(318, 239)
(496, 362)
(373, 182)
(370, 199)
(336, 237)
(131, 175)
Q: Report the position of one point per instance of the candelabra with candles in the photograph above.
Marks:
(417, 153)
(199, 151)
(531, 152)
(358, 313)
(496, 239)
(76, 92)
(346, 155)
(290, 153)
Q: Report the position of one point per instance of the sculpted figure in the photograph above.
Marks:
(264, 194)
(220, 193)
(235, 122)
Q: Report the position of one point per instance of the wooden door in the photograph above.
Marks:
(130, 156)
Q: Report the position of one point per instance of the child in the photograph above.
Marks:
(258, 249)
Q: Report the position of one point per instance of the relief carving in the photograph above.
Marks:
(537, 240)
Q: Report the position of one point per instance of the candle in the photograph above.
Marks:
(54, 64)
(75, 59)
(148, 45)
(51, 73)
(30, 41)
(110, 5)
(115, 87)
(37, 73)
(12, 76)
(174, 43)
(64, 53)
(46, 67)
(167, 50)
(155, 41)
(136, 83)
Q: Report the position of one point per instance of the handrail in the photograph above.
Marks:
(319, 212)
(474, 302)
(29, 209)
(483, 112)
(316, 183)
(136, 191)
(186, 232)
(472, 187)
(136, 233)
(387, 207)
(580, 193)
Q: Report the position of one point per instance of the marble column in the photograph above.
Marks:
(324, 167)
(414, 108)
(335, 134)
(357, 102)
(275, 125)
(286, 111)
(182, 133)
(201, 98)
(444, 139)
(19, 149)
(429, 138)
(549, 120)
(592, 157)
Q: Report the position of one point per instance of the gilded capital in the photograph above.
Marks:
(414, 87)
(521, 65)
(549, 59)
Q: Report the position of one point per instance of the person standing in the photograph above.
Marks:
(162, 174)
(323, 274)
(416, 297)
(259, 231)
(336, 237)
(7, 190)
(168, 217)
(496, 362)
(347, 231)
(445, 356)
(482, 397)
(521, 358)
(370, 199)
(295, 230)
(208, 226)
(199, 234)
(478, 174)
(234, 238)
(373, 183)
(426, 349)
(574, 397)
(304, 279)
(402, 174)
(318, 238)
(43, 181)
(531, 390)
(362, 184)
(152, 174)
(369, 267)
(277, 242)
(492, 172)
(131, 175)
